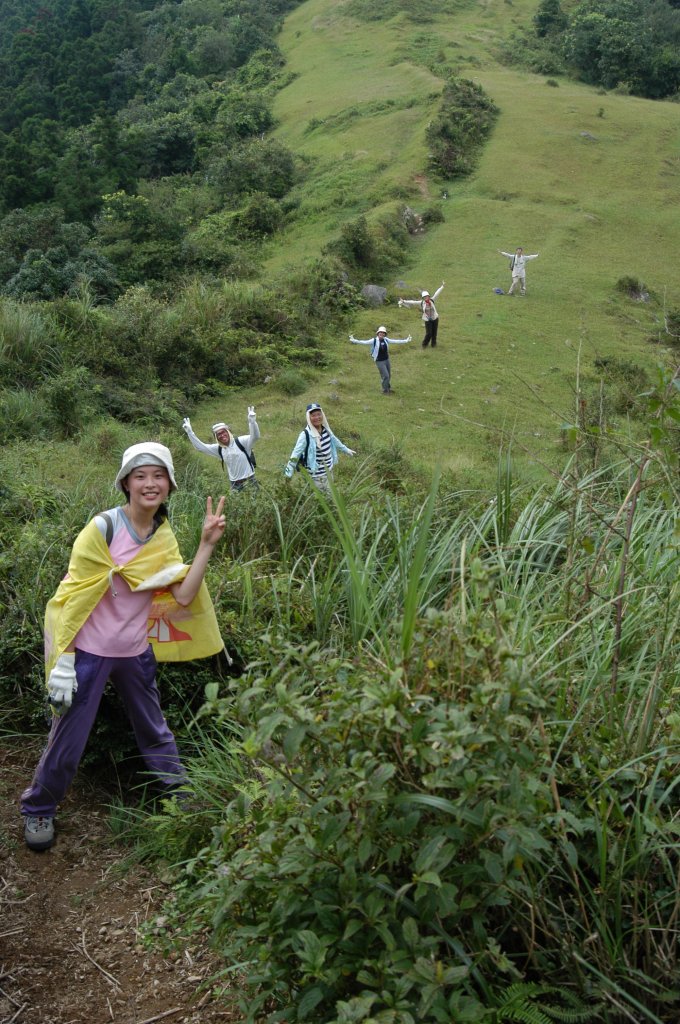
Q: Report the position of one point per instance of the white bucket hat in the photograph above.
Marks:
(147, 453)
(424, 294)
(381, 330)
(219, 426)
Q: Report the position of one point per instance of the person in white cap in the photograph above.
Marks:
(518, 262)
(235, 453)
(380, 354)
(127, 601)
(316, 448)
(430, 316)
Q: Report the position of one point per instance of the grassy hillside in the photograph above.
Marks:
(587, 180)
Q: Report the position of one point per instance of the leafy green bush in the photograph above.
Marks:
(262, 165)
(631, 286)
(70, 397)
(292, 382)
(399, 821)
(456, 134)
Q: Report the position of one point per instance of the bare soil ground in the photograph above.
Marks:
(70, 945)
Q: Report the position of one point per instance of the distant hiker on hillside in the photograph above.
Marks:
(316, 448)
(518, 261)
(235, 453)
(381, 355)
(127, 599)
(430, 315)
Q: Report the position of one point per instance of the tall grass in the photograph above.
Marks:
(514, 610)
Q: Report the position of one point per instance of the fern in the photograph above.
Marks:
(520, 1005)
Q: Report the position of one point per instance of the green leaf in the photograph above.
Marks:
(410, 931)
(310, 1001)
(292, 739)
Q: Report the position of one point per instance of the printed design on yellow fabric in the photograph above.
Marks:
(155, 566)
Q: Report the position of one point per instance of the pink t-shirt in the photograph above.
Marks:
(118, 626)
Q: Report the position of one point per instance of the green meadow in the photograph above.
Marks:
(591, 182)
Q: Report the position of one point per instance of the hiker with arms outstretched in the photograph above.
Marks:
(430, 316)
(380, 353)
(518, 262)
(316, 448)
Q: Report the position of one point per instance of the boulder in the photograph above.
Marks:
(374, 294)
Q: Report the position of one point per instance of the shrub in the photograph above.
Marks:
(22, 414)
(433, 215)
(260, 216)
(397, 816)
(70, 397)
(632, 287)
(626, 384)
(292, 382)
(455, 135)
(256, 166)
(30, 346)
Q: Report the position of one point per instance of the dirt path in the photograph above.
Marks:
(70, 946)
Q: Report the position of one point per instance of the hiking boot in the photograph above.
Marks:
(38, 831)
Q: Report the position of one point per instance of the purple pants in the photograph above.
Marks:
(135, 682)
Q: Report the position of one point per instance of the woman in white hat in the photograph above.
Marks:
(430, 316)
(380, 353)
(127, 600)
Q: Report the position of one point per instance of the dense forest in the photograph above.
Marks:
(629, 45)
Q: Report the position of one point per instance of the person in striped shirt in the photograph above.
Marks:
(316, 448)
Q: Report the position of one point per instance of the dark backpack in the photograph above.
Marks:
(250, 456)
(302, 461)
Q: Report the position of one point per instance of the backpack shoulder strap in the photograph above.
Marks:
(244, 450)
(109, 528)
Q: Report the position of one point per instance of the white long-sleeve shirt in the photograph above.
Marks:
(519, 262)
(433, 315)
(235, 462)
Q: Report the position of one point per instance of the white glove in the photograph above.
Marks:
(251, 412)
(400, 302)
(186, 424)
(350, 451)
(62, 683)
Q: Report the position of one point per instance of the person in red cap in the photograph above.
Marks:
(380, 354)
(430, 316)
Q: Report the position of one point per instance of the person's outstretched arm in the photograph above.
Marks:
(296, 453)
(398, 341)
(360, 341)
(206, 449)
(534, 257)
(438, 292)
(503, 253)
(213, 528)
(409, 302)
(343, 447)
